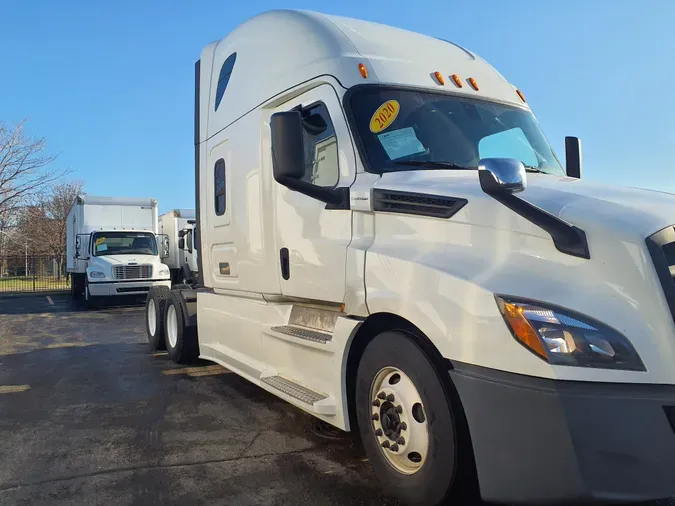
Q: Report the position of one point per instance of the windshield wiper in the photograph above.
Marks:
(530, 168)
(434, 164)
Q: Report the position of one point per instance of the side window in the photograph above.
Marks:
(219, 187)
(508, 144)
(321, 154)
(224, 77)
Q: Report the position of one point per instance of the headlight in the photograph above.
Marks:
(96, 274)
(164, 272)
(562, 337)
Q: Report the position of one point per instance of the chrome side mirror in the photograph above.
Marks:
(502, 175)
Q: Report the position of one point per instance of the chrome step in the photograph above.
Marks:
(303, 333)
(292, 389)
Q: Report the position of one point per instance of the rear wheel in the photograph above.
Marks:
(181, 340)
(74, 295)
(410, 429)
(155, 306)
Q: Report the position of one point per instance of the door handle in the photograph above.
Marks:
(285, 265)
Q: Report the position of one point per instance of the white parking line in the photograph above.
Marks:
(49, 299)
(11, 389)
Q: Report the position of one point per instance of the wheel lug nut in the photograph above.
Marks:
(385, 444)
(401, 440)
(390, 397)
(404, 426)
(394, 447)
(376, 403)
(375, 417)
(399, 409)
(382, 396)
(378, 432)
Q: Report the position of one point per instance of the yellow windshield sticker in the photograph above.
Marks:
(99, 241)
(384, 116)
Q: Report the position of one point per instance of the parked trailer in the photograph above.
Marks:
(177, 225)
(388, 241)
(112, 248)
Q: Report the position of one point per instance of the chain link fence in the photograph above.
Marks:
(33, 273)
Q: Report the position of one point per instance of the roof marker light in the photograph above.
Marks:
(457, 80)
(363, 70)
(439, 78)
(473, 83)
(522, 97)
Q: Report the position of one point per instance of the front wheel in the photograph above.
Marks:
(408, 426)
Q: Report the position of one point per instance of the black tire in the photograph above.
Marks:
(186, 348)
(443, 476)
(77, 287)
(74, 295)
(89, 301)
(158, 296)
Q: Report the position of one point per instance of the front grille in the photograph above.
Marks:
(132, 271)
(661, 247)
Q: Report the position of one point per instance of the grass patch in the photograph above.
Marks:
(23, 284)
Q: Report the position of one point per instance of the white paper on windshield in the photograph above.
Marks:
(400, 143)
(101, 247)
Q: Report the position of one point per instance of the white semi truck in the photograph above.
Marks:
(177, 225)
(112, 248)
(388, 241)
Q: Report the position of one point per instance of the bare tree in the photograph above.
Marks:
(44, 223)
(25, 168)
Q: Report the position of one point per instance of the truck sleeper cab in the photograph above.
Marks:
(388, 241)
(113, 248)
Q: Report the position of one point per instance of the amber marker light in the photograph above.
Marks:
(473, 83)
(521, 328)
(439, 78)
(363, 70)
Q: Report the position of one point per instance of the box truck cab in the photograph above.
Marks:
(177, 225)
(113, 248)
(388, 241)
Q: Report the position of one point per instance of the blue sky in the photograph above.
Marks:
(110, 84)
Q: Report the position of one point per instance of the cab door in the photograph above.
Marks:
(312, 240)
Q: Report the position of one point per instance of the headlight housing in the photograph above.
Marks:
(563, 337)
(96, 274)
(164, 271)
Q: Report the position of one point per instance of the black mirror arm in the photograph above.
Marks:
(335, 198)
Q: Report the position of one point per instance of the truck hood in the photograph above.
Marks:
(625, 210)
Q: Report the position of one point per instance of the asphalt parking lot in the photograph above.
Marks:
(89, 416)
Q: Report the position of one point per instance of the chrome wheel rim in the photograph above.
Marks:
(172, 326)
(399, 422)
(152, 317)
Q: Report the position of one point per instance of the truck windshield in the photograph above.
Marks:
(408, 129)
(124, 243)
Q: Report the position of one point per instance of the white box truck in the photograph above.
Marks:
(177, 225)
(113, 249)
(388, 241)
